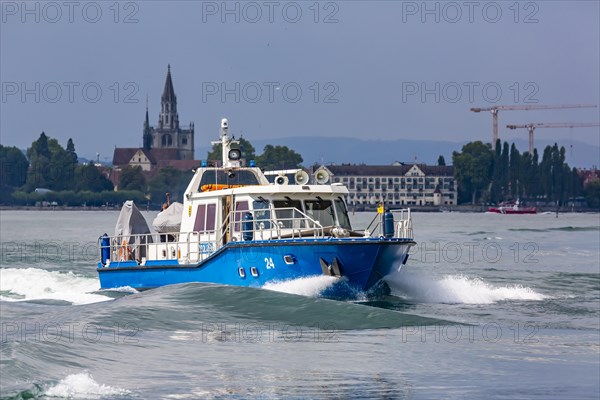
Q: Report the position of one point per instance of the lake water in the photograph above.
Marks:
(487, 307)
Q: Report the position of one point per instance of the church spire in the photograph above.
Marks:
(147, 138)
(169, 92)
(168, 115)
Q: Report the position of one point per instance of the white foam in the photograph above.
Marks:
(121, 289)
(311, 286)
(455, 289)
(82, 386)
(39, 284)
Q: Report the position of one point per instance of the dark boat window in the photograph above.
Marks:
(321, 210)
(240, 208)
(342, 214)
(200, 224)
(285, 217)
(210, 217)
(233, 177)
(262, 214)
(205, 218)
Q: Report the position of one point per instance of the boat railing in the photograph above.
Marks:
(403, 222)
(191, 246)
(141, 247)
(240, 226)
(402, 227)
(274, 223)
(243, 225)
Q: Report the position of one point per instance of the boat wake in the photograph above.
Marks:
(312, 286)
(82, 386)
(455, 289)
(33, 284)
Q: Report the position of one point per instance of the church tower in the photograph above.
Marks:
(169, 119)
(168, 134)
(147, 131)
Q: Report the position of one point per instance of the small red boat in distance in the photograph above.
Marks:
(512, 208)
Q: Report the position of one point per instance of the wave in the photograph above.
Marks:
(456, 289)
(82, 386)
(559, 229)
(311, 286)
(194, 305)
(33, 284)
(74, 386)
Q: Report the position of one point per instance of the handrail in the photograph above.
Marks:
(242, 225)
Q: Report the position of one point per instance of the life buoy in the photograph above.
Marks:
(124, 251)
(218, 186)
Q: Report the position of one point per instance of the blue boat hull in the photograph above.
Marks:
(363, 262)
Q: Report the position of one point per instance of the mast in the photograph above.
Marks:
(231, 157)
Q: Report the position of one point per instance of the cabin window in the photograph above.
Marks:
(342, 214)
(262, 214)
(205, 218)
(220, 177)
(200, 224)
(321, 210)
(240, 209)
(286, 213)
(210, 217)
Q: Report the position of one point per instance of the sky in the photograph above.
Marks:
(363, 69)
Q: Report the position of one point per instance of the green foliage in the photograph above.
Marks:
(279, 157)
(592, 194)
(13, 167)
(51, 166)
(510, 175)
(248, 151)
(89, 178)
(441, 161)
(168, 180)
(272, 158)
(472, 169)
(71, 151)
(132, 178)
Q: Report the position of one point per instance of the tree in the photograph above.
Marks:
(13, 167)
(168, 180)
(13, 171)
(592, 194)
(279, 157)
(472, 168)
(62, 167)
(51, 166)
(39, 162)
(71, 150)
(132, 178)
(514, 170)
(441, 161)
(89, 178)
(248, 151)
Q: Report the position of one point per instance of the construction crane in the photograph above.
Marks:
(494, 110)
(532, 126)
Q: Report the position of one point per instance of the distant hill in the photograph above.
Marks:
(327, 150)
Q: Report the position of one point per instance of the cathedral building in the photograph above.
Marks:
(167, 144)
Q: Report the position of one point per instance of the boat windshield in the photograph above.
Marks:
(342, 214)
(262, 214)
(223, 177)
(286, 213)
(321, 210)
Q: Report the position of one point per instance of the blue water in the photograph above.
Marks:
(488, 306)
